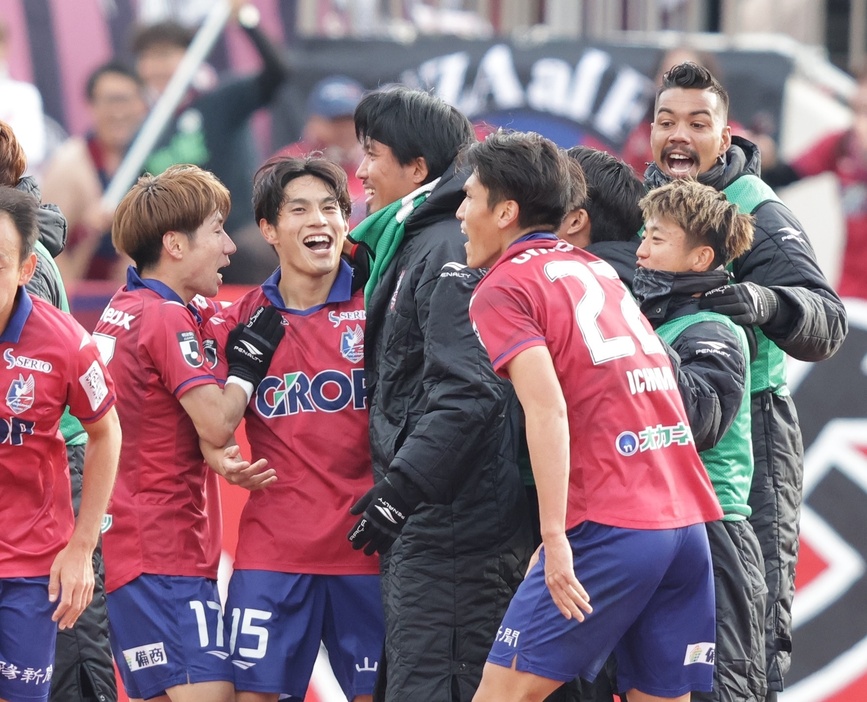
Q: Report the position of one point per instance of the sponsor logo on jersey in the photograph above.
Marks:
(13, 361)
(337, 318)
(13, 430)
(146, 656)
(118, 318)
(650, 379)
(189, 343)
(629, 443)
(352, 344)
(210, 347)
(93, 382)
(700, 653)
(327, 391)
(20, 395)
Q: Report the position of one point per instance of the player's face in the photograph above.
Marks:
(479, 225)
(385, 179)
(208, 251)
(13, 273)
(665, 248)
(689, 132)
(310, 229)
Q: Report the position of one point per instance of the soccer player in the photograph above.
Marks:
(163, 545)
(624, 562)
(296, 581)
(692, 232)
(46, 571)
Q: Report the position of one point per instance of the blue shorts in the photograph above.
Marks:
(277, 621)
(653, 605)
(167, 630)
(27, 637)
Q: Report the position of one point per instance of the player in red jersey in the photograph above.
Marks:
(46, 576)
(164, 542)
(296, 581)
(623, 495)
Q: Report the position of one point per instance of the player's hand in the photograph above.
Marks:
(384, 512)
(746, 303)
(71, 580)
(251, 346)
(250, 476)
(568, 594)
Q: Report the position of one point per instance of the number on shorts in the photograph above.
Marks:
(249, 629)
(202, 622)
(590, 306)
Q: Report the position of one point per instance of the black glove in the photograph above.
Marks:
(250, 347)
(360, 259)
(384, 511)
(745, 303)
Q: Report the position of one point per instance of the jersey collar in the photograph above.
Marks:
(136, 282)
(20, 313)
(341, 290)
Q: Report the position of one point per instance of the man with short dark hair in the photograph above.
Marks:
(624, 563)
(781, 292)
(46, 569)
(448, 511)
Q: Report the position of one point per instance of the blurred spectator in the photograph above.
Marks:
(21, 108)
(843, 153)
(211, 127)
(82, 167)
(330, 129)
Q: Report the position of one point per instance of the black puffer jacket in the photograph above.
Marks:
(712, 367)
(52, 235)
(811, 325)
(440, 415)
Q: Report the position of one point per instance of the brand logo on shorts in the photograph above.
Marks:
(146, 656)
(700, 653)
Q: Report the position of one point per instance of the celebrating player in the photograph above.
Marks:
(46, 574)
(164, 542)
(622, 492)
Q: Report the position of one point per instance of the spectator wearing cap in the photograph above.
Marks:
(330, 129)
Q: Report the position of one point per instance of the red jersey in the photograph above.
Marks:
(633, 460)
(840, 154)
(165, 511)
(49, 362)
(309, 419)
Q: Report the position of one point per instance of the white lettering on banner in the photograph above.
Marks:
(555, 87)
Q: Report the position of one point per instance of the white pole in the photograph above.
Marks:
(165, 107)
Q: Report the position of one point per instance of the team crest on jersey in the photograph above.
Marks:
(189, 343)
(19, 397)
(352, 344)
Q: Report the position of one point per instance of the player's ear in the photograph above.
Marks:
(173, 244)
(507, 212)
(268, 231)
(28, 268)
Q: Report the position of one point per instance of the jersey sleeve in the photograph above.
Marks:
(821, 157)
(505, 321)
(91, 392)
(173, 341)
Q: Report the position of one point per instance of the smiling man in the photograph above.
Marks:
(778, 288)
(296, 582)
(163, 545)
